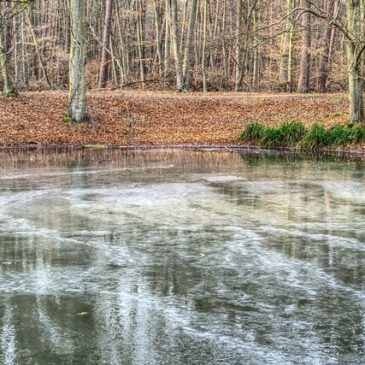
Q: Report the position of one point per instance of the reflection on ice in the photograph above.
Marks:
(170, 257)
(7, 339)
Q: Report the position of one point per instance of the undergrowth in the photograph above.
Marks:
(295, 134)
(253, 132)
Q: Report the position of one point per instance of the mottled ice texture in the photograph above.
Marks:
(177, 257)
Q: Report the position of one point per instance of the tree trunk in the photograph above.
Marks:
(356, 88)
(104, 65)
(305, 64)
(286, 62)
(167, 46)
(204, 45)
(238, 56)
(188, 45)
(256, 59)
(332, 8)
(224, 46)
(157, 19)
(8, 88)
(140, 38)
(77, 92)
(355, 21)
(175, 43)
(38, 52)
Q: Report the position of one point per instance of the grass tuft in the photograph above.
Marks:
(292, 133)
(357, 133)
(272, 136)
(316, 137)
(338, 135)
(253, 132)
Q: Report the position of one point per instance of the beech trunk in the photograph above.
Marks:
(77, 87)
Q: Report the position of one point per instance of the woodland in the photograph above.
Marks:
(218, 46)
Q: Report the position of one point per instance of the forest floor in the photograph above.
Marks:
(159, 118)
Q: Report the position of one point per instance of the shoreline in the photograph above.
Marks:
(160, 120)
(229, 148)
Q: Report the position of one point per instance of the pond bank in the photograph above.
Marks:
(158, 119)
(345, 154)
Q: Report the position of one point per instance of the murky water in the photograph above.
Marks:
(173, 257)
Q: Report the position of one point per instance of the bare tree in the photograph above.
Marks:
(77, 79)
(305, 64)
(356, 59)
(332, 10)
(173, 11)
(188, 45)
(104, 64)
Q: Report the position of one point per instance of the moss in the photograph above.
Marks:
(334, 115)
(11, 93)
(67, 119)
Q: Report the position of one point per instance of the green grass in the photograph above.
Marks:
(253, 132)
(316, 137)
(357, 133)
(338, 135)
(294, 134)
(271, 137)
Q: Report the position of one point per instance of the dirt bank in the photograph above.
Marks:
(133, 117)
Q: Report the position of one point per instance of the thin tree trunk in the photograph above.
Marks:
(122, 51)
(167, 40)
(140, 42)
(305, 65)
(8, 88)
(38, 52)
(158, 35)
(224, 47)
(238, 56)
(23, 63)
(104, 65)
(204, 45)
(286, 62)
(256, 67)
(355, 21)
(188, 45)
(175, 43)
(183, 26)
(77, 94)
(332, 9)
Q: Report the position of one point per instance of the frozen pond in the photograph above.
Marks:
(181, 257)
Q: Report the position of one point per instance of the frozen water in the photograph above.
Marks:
(178, 257)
